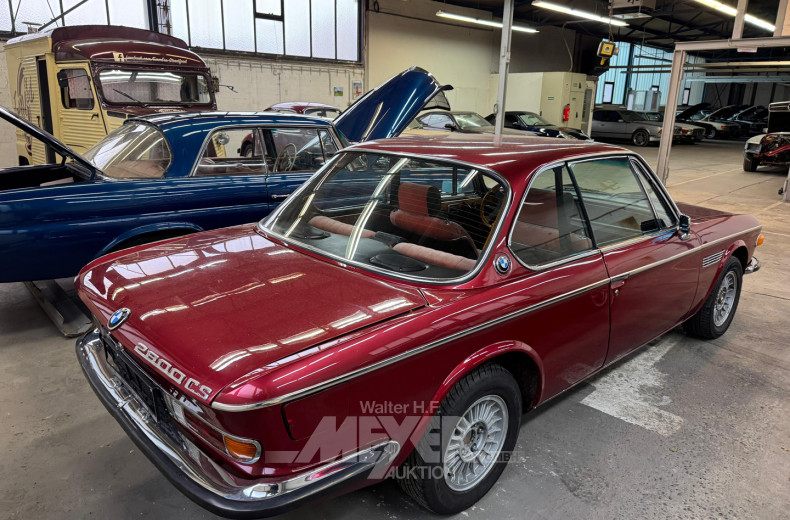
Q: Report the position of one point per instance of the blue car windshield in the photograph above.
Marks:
(405, 216)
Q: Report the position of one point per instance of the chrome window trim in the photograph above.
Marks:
(481, 261)
(428, 346)
(253, 127)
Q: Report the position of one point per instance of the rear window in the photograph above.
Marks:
(134, 151)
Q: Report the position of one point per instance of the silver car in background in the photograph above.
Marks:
(617, 123)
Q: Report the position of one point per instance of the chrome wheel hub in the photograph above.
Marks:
(475, 443)
(725, 299)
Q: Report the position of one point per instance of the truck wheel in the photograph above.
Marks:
(640, 138)
(478, 422)
(717, 313)
(710, 132)
(750, 164)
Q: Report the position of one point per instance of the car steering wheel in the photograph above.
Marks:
(484, 203)
(285, 156)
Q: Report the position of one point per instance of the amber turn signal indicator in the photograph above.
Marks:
(760, 240)
(241, 450)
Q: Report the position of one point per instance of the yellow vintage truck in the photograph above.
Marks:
(81, 82)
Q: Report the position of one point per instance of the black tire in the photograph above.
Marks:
(640, 138)
(246, 150)
(704, 324)
(750, 164)
(710, 132)
(425, 482)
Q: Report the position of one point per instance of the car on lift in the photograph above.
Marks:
(773, 147)
(397, 315)
(532, 122)
(165, 175)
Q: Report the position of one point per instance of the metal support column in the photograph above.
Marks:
(668, 130)
(504, 66)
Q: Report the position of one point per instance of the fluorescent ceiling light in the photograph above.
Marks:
(727, 9)
(478, 21)
(577, 12)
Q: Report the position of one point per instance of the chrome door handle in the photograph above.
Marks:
(284, 196)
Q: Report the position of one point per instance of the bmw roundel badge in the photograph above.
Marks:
(118, 317)
(502, 264)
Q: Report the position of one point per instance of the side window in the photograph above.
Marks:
(293, 149)
(426, 120)
(550, 225)
(660, 205)
(511, 120)
(75, 89)
(614, 199)
(441, 120)
(235, 151)
(330, 148)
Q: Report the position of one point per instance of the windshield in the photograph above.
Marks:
(133, 151)
(327, 113)
(153, 87)
(533, 119)
(406, 216)
(470, 120)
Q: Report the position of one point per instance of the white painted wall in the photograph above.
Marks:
(405, 34)
(7, 131)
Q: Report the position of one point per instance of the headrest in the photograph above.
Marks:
(419, 198)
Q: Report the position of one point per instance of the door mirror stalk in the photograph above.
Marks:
(684, 227)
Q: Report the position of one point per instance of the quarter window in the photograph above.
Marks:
(293, 149)
(550, 225)
(616, 204)
(75, 89)
(232, 152)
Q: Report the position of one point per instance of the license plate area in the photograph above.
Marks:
(139, 383)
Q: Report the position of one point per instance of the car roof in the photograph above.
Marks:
(172, 120)
(512, 156)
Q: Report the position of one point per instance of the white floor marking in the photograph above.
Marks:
(628, 392)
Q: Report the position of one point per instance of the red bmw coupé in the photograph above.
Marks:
(397, 315)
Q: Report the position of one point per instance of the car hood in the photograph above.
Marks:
(386, 110)
(221, 304)
(45, 137)
(690, 111)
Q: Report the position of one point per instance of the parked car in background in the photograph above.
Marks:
(457, 121)
(772, 148)
(415, 292)
(307, 109)
(618, 123)
(532, 122)
(753, 120)
(688, 133)
(716, 124)
(171, 174)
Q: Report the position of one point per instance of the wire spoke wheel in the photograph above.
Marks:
(475, 443)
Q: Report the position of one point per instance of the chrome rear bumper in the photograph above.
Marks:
(753, 267)
(198, 476)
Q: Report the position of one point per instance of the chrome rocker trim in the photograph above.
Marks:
(198, 476)
(753, 267)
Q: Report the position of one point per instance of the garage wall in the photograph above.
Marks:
(262, 83)
(404, 34)
(7, 131)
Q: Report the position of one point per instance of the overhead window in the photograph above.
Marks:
(608, 91)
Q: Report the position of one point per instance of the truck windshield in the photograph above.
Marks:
(134, 151)
(153, 87)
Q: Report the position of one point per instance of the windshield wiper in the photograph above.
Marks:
(124, 94)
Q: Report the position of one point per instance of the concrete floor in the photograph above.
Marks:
(690, 429)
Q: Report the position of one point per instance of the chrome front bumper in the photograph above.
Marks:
(200, 477)
(753, 267)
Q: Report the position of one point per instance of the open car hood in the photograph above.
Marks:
(45, 137)
(386, 110)
(221, 304)
(690, 111)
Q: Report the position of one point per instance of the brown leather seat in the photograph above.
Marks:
(418, 205)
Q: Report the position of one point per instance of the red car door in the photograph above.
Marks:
(568, 286)
(653, 270)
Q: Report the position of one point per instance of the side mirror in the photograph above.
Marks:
(63, 80)
(684, 226)
(450, 126)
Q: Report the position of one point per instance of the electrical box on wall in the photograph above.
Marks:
(562, 100)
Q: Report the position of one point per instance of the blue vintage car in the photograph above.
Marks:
(167, 175)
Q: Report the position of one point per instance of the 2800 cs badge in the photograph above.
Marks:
(400, 312)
